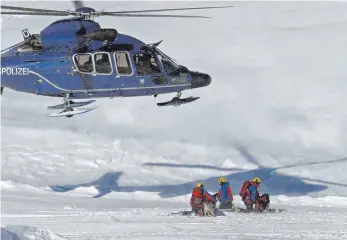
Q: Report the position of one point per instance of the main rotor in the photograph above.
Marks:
(84, 12)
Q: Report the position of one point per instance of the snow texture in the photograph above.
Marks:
(7, 235)
(28, 233)
(275, 110)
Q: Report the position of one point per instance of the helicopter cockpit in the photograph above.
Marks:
(152, 61)
(168, 63)
(146, 63)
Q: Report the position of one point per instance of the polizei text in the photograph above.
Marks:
(15, 71)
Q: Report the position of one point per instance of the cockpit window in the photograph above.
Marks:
(168, 63)
(102, 63)
(84, 62)
(146, 63)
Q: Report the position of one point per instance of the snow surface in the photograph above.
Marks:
(275, 110)
(7, 235)
(28, 233)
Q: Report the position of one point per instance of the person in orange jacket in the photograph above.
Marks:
(199, 195)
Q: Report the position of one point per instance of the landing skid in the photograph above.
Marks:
(68, 108)
(177, 101)
(69, 112)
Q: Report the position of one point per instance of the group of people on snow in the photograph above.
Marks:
(249, 193)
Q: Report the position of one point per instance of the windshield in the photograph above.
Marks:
(168, 63)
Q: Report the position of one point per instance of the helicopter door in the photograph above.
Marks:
(96, 69)
(103, 64)
(103, 70)
(124, 77)
(85, 66)
(123, 64)
(148, 70)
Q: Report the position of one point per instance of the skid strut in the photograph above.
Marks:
(68, 108)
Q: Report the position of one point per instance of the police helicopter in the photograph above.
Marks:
(75, 58)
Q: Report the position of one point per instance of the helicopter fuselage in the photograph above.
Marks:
(63, 59)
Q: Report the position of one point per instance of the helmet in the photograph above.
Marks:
(200, 185)
(257, 180)
(222, 180)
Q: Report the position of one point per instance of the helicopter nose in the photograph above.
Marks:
(200, 80)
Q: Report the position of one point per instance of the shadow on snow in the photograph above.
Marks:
(272, 182)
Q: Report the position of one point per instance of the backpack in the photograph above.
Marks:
(244, 188)
(197, 198)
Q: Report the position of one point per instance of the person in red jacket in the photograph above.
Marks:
(199, 195)
(250, 193)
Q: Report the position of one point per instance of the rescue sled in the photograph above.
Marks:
(217, 213)
(243, 210)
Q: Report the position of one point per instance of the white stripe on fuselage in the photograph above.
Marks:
(105, 89)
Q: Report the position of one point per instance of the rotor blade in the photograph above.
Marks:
(35, 13)
(30, 9)
(148, 15)
(78, 4)
(169, 9)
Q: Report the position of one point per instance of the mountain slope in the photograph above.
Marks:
(277, 99)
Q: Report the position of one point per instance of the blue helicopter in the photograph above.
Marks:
(75, 58)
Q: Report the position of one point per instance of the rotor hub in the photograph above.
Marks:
(85, 10)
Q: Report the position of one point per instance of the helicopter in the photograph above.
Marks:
(75, 58)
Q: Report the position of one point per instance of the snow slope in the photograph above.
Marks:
(275, 109)
(75, 217)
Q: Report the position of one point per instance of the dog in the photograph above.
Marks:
(209, 208)
(264, 202)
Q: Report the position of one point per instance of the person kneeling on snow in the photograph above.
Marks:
(250, 193)
(199, 195)
(264, 202)
(225, 195)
